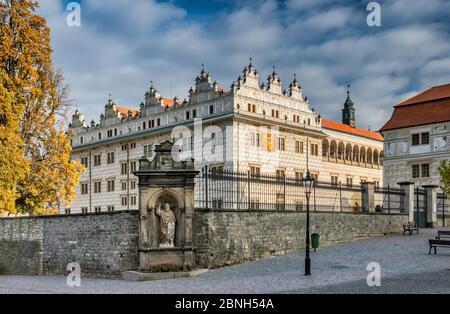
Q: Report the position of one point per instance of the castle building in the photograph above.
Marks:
(417, 138)
(260, 128)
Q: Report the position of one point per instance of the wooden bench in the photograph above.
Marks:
(411, 227)
(443, 234)
(434, 244)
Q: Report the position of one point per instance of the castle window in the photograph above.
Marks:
(115, 132)
(425, 170)
(350, 182)
(97, 160)
(133, 200)
(281, 144)
(281, 174)
(211, 109)
(111, 186)
(97, 187)
(124, 168)
(144, 126)
(334, 180)
(425, 138)
(98, 209)
(84, 161)
(416, 171)
(255, 171)
(110, 158)
(99, 135)
(158, 122)
(84, 210)
(256, 139)
(81, 140)
(124, 200)
(415, 139)
(299, 148)
(314, 149)
(110, 208)
(84, 189)
(194, 113)
(110, 133)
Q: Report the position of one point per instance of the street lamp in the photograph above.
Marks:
(309, 182)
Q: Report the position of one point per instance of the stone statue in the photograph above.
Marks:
(167, 226)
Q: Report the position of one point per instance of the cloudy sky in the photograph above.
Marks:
(123, 45)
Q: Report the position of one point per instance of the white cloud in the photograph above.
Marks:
(123, 45)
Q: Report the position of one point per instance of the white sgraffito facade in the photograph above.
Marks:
(262, 127)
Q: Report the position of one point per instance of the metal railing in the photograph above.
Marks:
(231, 190)
(443, 208)
(389, 200)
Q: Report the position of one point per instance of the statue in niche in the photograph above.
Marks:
(166, 225)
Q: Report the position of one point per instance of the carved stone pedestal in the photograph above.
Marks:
(166, 205)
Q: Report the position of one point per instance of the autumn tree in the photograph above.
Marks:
(40, 93)
(13, 165)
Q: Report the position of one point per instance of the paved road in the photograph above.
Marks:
(405, 265)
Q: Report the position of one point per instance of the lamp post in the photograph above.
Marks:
(309, 180)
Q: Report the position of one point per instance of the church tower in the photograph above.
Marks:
(348, 113)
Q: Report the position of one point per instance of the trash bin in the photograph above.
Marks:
(315, 241)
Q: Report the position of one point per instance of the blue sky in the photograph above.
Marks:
(122, 45)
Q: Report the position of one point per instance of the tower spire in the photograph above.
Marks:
(348, 113)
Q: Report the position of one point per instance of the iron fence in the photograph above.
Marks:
(443, 208)
(389, 200)
(231, 190)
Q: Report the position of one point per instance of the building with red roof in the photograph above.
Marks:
(416, 138)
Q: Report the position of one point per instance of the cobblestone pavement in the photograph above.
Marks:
(406, 268)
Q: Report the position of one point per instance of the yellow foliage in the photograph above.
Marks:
(39, 173)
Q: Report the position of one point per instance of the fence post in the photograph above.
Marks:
(249, 190)
(443, 209)
(389, 199)
(407, 201)
(368, 196)
(206, 188)
(418, 206)
(315, 207)
(431, 191)
(340, 196)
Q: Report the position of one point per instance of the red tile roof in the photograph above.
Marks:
(168, 102)
(434, 93)
(123, 112)
(431, 106)
(336, 126)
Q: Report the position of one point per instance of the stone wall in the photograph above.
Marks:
(103, 244)
(106, 244)
(226, 238)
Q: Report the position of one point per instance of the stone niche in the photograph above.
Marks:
(166, 206)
